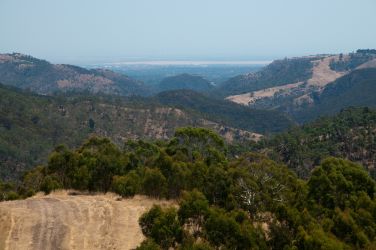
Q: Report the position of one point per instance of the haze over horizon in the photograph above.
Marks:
(96, 31)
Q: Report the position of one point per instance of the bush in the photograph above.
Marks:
(50, 184)
(127, 185)
(162, 226)
(154, 183)
(12, 195)
(149, 244)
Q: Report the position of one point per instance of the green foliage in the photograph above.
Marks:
(7, 192)
(198, 144)
(193, 208)
(103, 160)
(338, 183)
(250, 202)
(345, 193)
(31, 126)
(196, 220)
(265, 185)
(350, 134)
(162, 226)
(148, 244)
(222, 230)
(127, 185)
(32, 181)
(154, 183)
(50, 184)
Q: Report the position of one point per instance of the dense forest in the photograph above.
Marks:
(351, 134)
(247, 202)
(32, 125)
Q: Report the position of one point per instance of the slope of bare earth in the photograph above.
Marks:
(322, 74)
(250, 98)
(63, 221)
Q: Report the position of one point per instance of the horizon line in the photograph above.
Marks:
(187, 62)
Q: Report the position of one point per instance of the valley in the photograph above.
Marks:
(71, 115)
(187, 125)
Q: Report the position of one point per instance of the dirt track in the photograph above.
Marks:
(62, 221)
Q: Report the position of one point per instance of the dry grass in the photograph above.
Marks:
(322, 74)
(250, 98)
(63, 221)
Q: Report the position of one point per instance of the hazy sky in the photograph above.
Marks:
(109, 30)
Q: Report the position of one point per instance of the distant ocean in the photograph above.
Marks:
(195, 63)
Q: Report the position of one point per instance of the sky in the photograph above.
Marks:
(68, 31)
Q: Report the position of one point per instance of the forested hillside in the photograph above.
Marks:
(351, 134)
(250, 202)
(31, 125)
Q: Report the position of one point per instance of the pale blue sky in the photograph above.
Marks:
(108, 30)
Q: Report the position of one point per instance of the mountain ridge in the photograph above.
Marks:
(298, 97)
(40, 76)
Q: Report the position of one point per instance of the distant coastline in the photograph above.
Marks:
(194, 63)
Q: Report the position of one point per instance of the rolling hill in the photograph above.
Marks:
(317, 85)
(185, 81)
(42, 77)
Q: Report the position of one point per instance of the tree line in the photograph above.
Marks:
(246, 202)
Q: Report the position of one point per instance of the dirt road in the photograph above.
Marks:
(62, 221)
